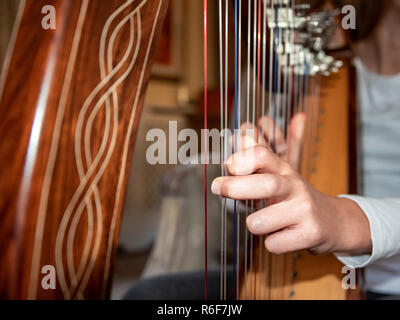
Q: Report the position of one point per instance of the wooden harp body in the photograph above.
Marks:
(70, 102)
(330, 166)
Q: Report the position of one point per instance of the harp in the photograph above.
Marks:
(275, 52)
(70, 100)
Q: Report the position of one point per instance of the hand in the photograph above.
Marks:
(298, 216)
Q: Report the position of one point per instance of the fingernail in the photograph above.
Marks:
(216, 187)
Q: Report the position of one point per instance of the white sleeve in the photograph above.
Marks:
(384, 220)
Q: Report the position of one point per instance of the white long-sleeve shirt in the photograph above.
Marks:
(379, 159)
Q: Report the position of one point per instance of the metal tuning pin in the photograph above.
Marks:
(312, 31)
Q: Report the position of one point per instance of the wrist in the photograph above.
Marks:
(352, 234)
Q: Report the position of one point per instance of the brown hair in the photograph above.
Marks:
(369, 14)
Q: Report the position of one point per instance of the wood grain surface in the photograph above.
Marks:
(70, 103)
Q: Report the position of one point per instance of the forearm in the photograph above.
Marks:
(352, 233)
(383, 216)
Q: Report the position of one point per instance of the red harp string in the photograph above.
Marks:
(205, 153)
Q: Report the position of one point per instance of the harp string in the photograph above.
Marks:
(253, 122)
(239, 98)
(259, 204)
(269, 135)
(221, 154)
(224, 73)
(246, 240)
(235, 149)
(263, 101)
(284, 48)
(290, 112)
(275, 34)
(205, 152)
(290, 74)
(226, 145)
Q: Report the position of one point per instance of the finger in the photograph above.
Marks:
(252, 187)
(247, 129)
(295, 139)
(242, 142)
(271, 219)
(272, 133)
(297, 125)
(247, 137)
(246, 126)
(256, 159)
(285, 241)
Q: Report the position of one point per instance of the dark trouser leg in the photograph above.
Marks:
(180, 286)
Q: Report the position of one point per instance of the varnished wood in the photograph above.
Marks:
(328, 169)
(70, 107)
(320, 277)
